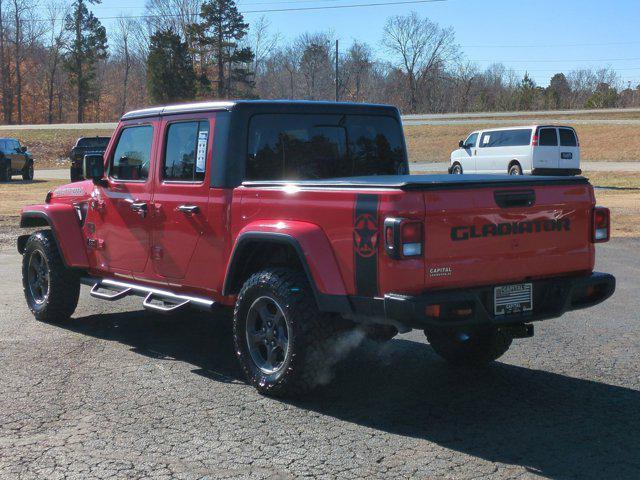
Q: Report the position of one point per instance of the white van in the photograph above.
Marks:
(535, 150)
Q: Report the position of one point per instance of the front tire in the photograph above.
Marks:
(475, 347)
(456, 169)
(50, 288)
(27, 173)
(515, 169)
(279, 334)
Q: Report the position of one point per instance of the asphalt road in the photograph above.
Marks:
(119, 392)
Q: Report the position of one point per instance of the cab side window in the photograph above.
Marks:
(186, 151)
(132, 154)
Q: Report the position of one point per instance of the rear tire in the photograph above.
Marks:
(27, 173)
(515, 169)
(279, 334)
(475, 347)
(456, 169)
(50, 288)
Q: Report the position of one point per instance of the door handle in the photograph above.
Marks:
(141, 208)
(189, 209)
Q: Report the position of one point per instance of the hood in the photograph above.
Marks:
(72, 192)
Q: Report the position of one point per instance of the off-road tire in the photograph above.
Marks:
(27, 172)
(309, 332)
(476, 347)
(5, 171)
(515, 169)
(63, 284)
(456, 169)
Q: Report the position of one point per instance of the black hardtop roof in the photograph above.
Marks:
(258, 106)
(423, 182)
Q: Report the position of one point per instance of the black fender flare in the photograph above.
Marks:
(232, 281)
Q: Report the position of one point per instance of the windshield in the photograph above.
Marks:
(299, 146)
(94, 142)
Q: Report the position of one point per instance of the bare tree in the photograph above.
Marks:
(125, 28)
(316, 64)
(261, 41)
(356, 69)
(419, 47)
(5, 69)
(173, 15)
(56, 12)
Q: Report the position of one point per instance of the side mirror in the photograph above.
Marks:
(23, 149)
(93, 167)
(461, 143)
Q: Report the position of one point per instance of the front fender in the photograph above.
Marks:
(63, 221)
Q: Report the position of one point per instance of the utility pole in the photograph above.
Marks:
(337, 73)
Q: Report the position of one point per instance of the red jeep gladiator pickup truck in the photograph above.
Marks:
(301, 216)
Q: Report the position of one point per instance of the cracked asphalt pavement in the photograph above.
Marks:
(118, 392)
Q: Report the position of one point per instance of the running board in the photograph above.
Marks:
(155, 299)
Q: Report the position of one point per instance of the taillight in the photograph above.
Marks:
(601, 225)
(411, 239)
(403, 238)
(534, 141)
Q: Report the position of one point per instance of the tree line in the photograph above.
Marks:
(57, 64)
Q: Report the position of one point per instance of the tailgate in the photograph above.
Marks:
(497, 235)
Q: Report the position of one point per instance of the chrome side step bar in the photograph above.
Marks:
(155, 299)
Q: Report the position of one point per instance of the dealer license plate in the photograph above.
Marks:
(513, 299)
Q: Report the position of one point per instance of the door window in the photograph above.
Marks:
(132, 155)
(506, 138)
(185, 157)
(548, 137)
(471, 140)
(568, 138)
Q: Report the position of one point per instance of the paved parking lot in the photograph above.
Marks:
(119, 392)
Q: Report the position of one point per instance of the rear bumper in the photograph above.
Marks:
(551, 298)
(551, 172)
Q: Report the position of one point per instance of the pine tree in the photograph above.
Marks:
(219, 32)
(170, 74)
(88, 46)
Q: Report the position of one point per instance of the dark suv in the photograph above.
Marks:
(14, 160)
(85, 146)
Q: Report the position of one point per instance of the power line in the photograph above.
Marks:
(273, 10)
(552, 46)
(565, 61)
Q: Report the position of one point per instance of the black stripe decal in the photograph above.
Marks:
(365, 244)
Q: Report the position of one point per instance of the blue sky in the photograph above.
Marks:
(571, 33)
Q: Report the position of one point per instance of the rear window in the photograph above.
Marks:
(548, 137)
(93, 142)
(298, 146)
(506, 138)
(568, 137)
